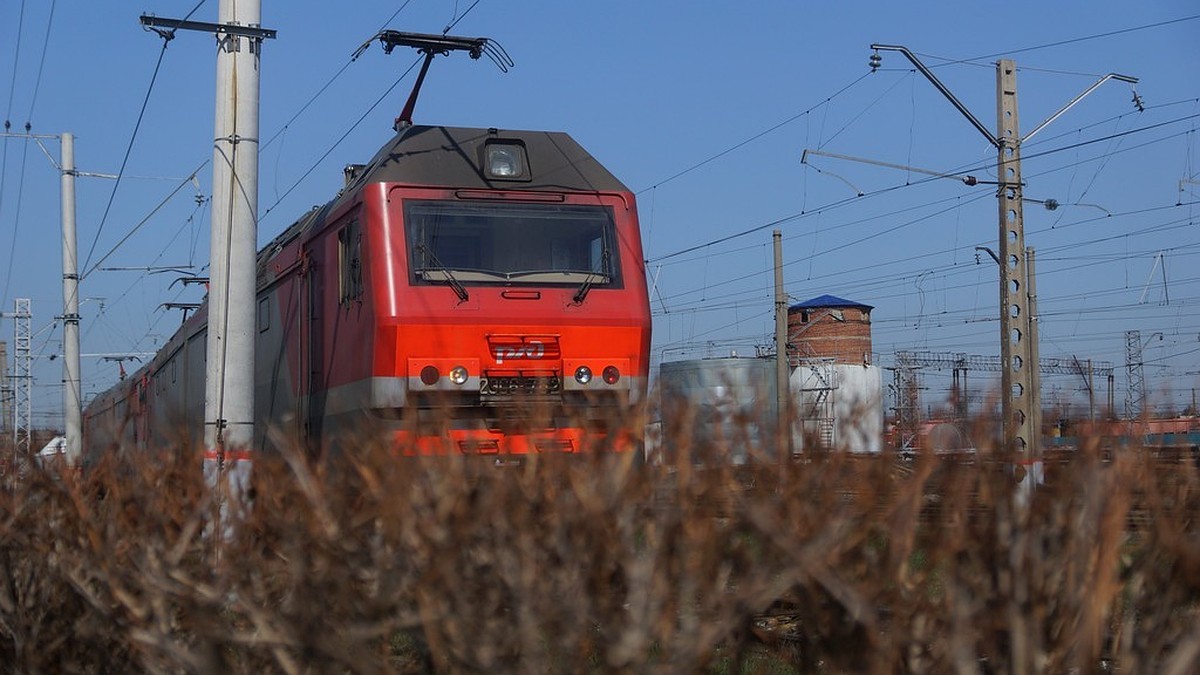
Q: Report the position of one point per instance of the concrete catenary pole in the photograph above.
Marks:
(229, 379)
(1016, 381)
(1019, 395)
(782, 366)
(72, 390)
(1035, 371)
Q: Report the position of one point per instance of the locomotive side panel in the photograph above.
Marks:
(336, 337)
(279, 322)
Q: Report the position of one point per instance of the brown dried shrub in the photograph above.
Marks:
(363, 561)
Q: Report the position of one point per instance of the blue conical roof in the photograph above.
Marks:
(823, 301)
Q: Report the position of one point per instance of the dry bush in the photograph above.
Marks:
(363, 561)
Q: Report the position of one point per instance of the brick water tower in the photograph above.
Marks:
(837, 391)
(828, 327)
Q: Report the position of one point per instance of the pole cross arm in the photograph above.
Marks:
(1080, 97)
(942, 88)
(169, 26)
(186, 306)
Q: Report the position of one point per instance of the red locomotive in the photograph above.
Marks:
(470, 290)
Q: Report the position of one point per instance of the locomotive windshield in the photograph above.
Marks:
(453, 242)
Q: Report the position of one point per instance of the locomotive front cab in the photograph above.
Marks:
(511, 307)
(531, 331)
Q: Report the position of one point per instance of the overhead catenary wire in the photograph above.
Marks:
(143, 221)
(37, 84)
(842, 202)
(941, 317)
(1085, 38)
(710, 285)
(274, 137)
(753, 138)
(167, 36)
(973, 166)
(341, 138)
(294, 117)
(12, 250)
(128, 150)
(454, 22)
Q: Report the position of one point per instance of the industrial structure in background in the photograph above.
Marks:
(837, 389)
(729, 407)
(20, 382)
(1135, 394)
(907, 387)
(718, 409)
(6, 393)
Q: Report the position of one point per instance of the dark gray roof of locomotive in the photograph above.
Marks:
(452, 156)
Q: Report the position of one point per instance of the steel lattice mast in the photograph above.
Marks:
(22, 377)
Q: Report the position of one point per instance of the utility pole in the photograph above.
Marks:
(229, 380)
(229, 375)
(1019, 398)
(72, 388)
(783, 399)
(72, 391)
(1035, 371)
(1019, 394)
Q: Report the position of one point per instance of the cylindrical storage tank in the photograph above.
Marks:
(828, 327)
(721, 409)
(837, 393)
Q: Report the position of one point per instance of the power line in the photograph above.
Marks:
(327, 84)
(454, 23)
(1084, 38)
(128, 149)
(842, 202)
(340, 139)
(37, 85)
(12, 249)
(753, 138)
(707, 304)
(167, 36)
(140, 223)
(12, 85)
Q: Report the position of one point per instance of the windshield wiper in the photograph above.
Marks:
(586, 286)
(459, 289)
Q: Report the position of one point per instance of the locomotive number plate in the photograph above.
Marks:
(519, 385)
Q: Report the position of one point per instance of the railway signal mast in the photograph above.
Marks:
(1020, 398)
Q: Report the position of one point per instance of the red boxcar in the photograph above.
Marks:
(468, 290)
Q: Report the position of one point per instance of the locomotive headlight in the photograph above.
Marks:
(458, 375)
(583, 374)
(505, 160)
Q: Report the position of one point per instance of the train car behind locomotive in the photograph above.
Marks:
(470, 290)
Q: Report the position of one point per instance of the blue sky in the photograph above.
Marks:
(704, 110)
